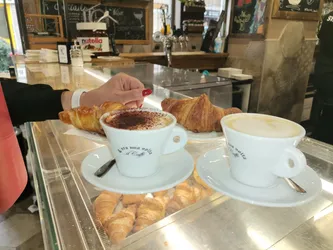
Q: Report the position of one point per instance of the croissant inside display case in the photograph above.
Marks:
(121, 215)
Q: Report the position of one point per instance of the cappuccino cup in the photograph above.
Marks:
(262, 148)
(139, 137)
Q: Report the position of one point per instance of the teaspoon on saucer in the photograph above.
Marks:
(105, 168)
(294, 185)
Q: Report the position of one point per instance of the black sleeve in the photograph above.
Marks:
(27, 103)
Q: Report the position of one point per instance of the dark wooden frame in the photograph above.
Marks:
(120, 3)
(139, 5)
(292, 15)
(245, 35)
(68, 47)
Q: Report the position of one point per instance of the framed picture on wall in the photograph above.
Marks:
(297, 9)
(248, 17)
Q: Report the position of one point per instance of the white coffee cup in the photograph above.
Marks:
(137, 152)
(262, 148)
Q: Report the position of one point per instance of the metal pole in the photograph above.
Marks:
(9, 34)
(67, 31)
(173, 13)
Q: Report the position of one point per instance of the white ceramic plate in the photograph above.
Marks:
(213, 168)
(174, 169)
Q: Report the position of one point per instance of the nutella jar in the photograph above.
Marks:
(93, 36)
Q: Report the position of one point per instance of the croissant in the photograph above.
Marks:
(104, 205)
(183, 196)
(197, 114)
(120, 224)
(88, 118)
(198, 179)
(129, 199)
(150, 211)
(201, 192)
(160, 193)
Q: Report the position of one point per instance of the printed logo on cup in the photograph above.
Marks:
(135, 151)
(236, 152)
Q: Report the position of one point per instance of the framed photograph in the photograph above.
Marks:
(248, 17)
(297, 9)
(64, 52)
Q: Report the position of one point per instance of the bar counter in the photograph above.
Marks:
(193, 60)
(217, 222)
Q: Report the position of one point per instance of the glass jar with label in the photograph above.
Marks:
(93, 36)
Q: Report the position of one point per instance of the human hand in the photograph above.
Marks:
(121, 88)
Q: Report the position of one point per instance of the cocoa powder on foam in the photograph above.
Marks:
(138, 120)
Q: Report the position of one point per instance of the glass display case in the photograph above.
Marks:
(182, 81)
(217, 222)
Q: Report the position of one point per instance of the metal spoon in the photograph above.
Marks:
(294, 185)
(105, 168)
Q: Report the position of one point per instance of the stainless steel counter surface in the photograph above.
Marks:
(218, 222)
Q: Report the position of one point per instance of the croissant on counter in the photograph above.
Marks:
(88, 118)
(197, 114)
(119, 225)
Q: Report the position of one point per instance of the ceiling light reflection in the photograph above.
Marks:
(176, 239)
(323, 213)
(153, 103)
(97, 75)
(327, 186)
(258, 238)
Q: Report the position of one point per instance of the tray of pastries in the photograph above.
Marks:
(121, 215)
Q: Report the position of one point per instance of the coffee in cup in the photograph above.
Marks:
(138, 120)
(264, 126)
(262, 148)
(139, 137)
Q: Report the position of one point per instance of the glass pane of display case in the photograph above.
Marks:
(66, 198)
(171, 78)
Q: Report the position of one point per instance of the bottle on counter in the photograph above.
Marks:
(218, 45)
(76, 55)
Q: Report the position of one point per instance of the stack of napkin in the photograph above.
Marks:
(32, 55)
(48, 55)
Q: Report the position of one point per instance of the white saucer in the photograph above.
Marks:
(213, 168)
(174, 169)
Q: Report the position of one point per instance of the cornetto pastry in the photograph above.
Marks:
(197, 114)
(119, 225)
(104, 205)
(183, 196)
(130, 199)
(88, 118)
(150, 211)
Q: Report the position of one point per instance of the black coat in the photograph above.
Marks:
(29, 103)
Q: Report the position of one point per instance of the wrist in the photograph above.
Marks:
(66, 100)
(87, 99)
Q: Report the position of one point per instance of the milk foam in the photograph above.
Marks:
(138, 120)
(264, 127)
